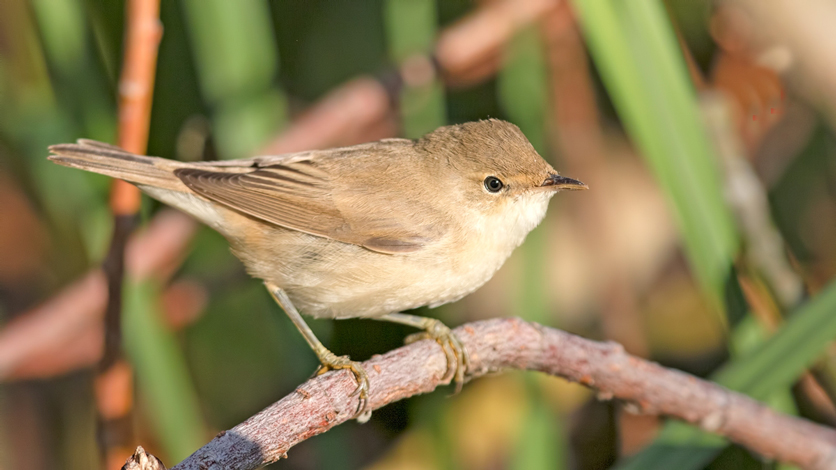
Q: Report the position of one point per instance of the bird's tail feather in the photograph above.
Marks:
(112, 161)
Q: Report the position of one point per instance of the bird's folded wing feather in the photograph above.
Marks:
(299, 196)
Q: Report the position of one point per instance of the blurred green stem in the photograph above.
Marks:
(522, 87)
(636, 52)
(237, 62)
(638, 56)
(163, 378)
(411, 31)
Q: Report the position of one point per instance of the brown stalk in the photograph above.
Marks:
(327, 401)
(114, 381)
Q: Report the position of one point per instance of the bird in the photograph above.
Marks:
(366, 231)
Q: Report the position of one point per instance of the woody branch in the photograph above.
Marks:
(326, 401)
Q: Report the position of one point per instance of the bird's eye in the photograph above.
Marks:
(493, 184)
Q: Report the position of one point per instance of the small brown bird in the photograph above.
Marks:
(364, 231)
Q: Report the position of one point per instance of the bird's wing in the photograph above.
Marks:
(299, 196)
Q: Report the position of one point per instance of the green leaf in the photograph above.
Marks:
(637, 55)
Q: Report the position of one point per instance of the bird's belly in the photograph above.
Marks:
(330, 279)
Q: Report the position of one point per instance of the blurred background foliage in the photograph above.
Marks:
(706, 242)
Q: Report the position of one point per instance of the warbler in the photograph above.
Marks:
(364, 231)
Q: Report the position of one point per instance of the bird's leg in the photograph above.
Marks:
(329, 360)
(458, 360)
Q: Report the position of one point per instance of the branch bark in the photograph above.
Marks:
(325, 401)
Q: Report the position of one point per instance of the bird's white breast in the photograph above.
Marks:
(495, 236)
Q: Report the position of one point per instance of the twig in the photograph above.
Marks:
(142, 460)
(326, 401)
(136, 85)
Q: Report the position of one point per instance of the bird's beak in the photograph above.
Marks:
(557, 182)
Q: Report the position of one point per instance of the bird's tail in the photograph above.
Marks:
(112, 161)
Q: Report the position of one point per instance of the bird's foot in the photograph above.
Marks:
(458, 360)
(331, 361)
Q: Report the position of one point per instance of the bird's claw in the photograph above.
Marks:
(331, 361)
(458, 360)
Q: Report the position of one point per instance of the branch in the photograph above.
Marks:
(325, 401)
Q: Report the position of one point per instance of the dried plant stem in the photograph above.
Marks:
(136, 84)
